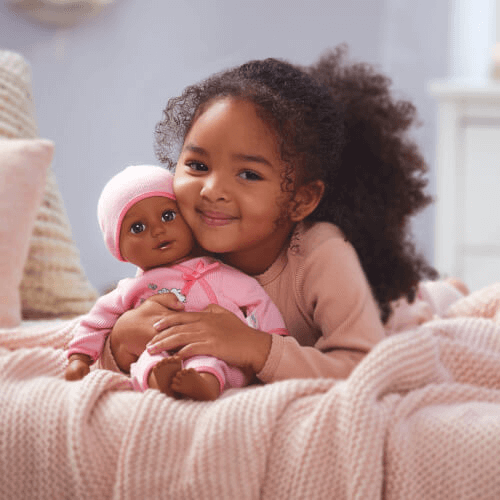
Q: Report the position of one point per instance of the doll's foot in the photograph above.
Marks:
(195, 385)
(459, 285)
(162, 374)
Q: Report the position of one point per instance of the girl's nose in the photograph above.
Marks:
(215, 188)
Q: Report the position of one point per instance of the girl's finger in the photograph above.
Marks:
(176, 337)
(175, 319)
(190, 350)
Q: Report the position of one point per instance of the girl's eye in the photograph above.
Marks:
(168, 215)
(197, 166)
(250, 175)
(137, 227)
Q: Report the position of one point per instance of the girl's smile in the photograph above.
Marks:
(215, 218)
(228, 186)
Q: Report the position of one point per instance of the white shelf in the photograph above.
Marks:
(468, 177)
(464, 89)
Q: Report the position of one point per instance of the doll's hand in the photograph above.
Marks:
(78, 367)
(134, 328)
(213, 332)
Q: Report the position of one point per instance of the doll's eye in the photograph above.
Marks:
(168, 215)
(137, 227)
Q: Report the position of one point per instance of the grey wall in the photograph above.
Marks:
(100, 87)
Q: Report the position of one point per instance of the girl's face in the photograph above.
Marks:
(228, 186)
(154, 234)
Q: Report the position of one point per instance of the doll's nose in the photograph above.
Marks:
(157, 229)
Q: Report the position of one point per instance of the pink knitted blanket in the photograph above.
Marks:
(418, 418)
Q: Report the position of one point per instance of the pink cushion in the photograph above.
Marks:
(23, 168)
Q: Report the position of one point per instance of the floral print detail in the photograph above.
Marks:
(176, 291)
(180, 296)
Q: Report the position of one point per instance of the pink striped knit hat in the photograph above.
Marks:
(126, 188)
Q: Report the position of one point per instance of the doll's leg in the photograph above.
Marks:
(163, 373)
(158, 371)
(203, 378)
(154, 371)
(197, 385)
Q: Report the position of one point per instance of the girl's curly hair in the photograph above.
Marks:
(336, 122)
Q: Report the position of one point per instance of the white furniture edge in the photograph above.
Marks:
(458, 102)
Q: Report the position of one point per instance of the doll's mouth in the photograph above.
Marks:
(163, 245)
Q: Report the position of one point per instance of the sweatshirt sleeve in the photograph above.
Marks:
(334, 296)
(97, 324)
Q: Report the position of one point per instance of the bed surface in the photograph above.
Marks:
(418, 418)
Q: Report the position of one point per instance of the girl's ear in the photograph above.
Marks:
(306, 200)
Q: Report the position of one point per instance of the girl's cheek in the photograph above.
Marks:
(184, 189)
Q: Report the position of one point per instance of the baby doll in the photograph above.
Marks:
(141, 224)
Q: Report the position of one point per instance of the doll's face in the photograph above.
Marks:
(154, 234)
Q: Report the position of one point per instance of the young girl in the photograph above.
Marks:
(304, 178)
(140, 222)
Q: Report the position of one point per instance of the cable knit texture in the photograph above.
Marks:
(418, 417)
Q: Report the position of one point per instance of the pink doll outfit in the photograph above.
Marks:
(196, 282)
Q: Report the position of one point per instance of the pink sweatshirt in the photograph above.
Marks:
(321, 290)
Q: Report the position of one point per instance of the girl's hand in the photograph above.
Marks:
(134, 328)
(213, 332)
(78, 367)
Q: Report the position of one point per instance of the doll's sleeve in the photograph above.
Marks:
(260, 311)
(97, 324)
